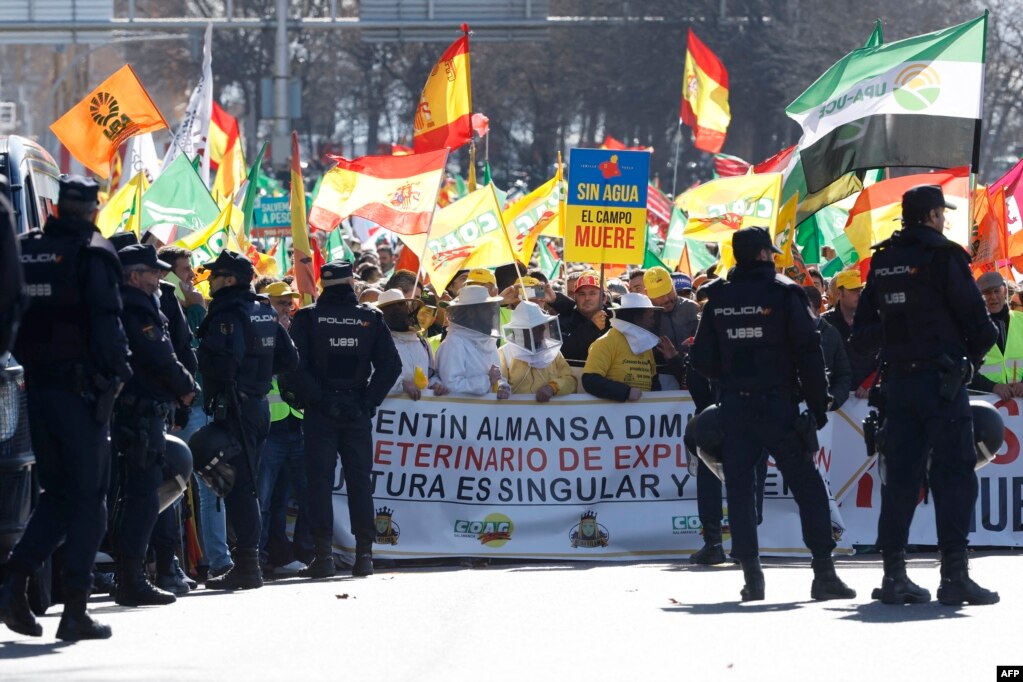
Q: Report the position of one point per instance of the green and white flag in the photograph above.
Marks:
(178, 203)
(914, 102)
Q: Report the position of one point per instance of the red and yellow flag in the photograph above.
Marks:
(305, 277)
(117, 109)
(989, 239)
(878, 209)
(224, 135)
(705, 96)
(397, 192)
(444, 113)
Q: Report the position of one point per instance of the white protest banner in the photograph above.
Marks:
(576, 478)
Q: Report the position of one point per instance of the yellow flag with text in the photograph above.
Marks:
(466, 234)
(784, 232)
(534, 214)
(123, 211)
(207, 244)
(718, 208)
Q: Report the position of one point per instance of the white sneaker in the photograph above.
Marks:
(291, 569)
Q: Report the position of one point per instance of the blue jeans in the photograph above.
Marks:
(281, 466)
(212, 519)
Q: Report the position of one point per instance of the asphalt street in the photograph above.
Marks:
(529, 621)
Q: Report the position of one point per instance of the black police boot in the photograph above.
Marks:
(76, 623)
(896, 587)
(171, 577)
(956, 586)
(826, 583)
(753, 590)
(712, 553)
(322, 565)
(15, 611)
(134, 588)
(244, 576)
(363, 565)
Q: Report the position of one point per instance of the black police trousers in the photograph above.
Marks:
(349, 436)
(241, 503)
(137, 503)
(709, 498)
(920, 425)
(755, 423)
(73, 462)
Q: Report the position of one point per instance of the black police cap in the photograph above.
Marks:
(142, 254)
(922, 199)
(335, 270)
(122, 240)
(78, 188)
(747, 243)
(232, 263)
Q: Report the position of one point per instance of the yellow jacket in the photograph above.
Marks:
(611, 358)
(526, 379)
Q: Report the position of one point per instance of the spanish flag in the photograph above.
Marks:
(444, 113)
(397, 192)
(705, 96)
(223, 137)
(117, 109)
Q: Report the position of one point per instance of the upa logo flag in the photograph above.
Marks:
(119, 108)
(444, 113)
(914, 102)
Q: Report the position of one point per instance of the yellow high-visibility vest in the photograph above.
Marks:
(278, 408)
(1007, 367)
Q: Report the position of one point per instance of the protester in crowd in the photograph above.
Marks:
(1002, 370)
(620, 365)
(1016, 301)
(586, 322)
(370, 273)
(531, 360)
(836, 362)
(385, 254)
(572, 281)
(183, 277)
(678, 327)
(456, 284)
(418, 367)
(848, 285)
(817, 278)
(683, 285)
(467, 358)
(370, 295)
(637, 281)
(406, 281)
(262, 282)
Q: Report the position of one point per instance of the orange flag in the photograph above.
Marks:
(305, 275)
(117, 109)
(444, 113)
(989, 237)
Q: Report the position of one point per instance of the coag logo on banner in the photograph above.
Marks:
(917, 87)
(691, 525)
(387, 530)
(588, 533)
(495, 530)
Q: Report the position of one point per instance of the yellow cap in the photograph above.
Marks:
(528, 281)
(276, 289)
(849, 279)
(481, 276)
(658, 282)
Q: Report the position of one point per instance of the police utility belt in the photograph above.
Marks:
(139, 430)
(952, 373)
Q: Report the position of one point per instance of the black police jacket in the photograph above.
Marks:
(343, 346)
(921, 302)
(177, 325)
(13, 298)
(241, 343)
(157, 373)
(756, 335)
(73, 278)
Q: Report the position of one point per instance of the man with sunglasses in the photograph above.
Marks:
(241, 348)
(1002, 371)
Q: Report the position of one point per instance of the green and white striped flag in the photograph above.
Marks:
(914, 102)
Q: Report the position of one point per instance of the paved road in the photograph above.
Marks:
(577, 621)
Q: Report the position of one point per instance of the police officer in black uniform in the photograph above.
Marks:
(158, 384)
(75, 355)
(348, 363)
(758, 341)
(922, 304)
(241, 347)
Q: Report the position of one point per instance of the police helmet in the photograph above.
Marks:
(177, 469)
(988, 431)
(706, 434)
(213, 446)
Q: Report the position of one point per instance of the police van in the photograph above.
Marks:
(30, 184)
